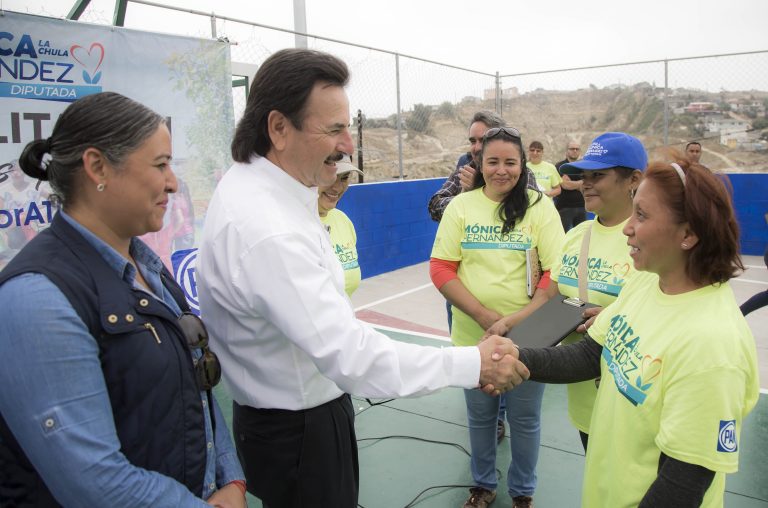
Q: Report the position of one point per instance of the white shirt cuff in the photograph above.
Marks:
(465, 371)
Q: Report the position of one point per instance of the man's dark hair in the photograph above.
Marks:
(489, 118)
(283, 83)
(692, 143)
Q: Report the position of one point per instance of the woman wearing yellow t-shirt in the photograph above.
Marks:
(676, 357)
(340, 228)
(478, 264)
(611, 171)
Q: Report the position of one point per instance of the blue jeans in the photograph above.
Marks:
(449, 310)
(524, 417)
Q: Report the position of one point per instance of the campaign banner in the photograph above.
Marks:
(185, 273)
(47, 63)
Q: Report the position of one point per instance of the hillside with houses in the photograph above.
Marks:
(731, 126)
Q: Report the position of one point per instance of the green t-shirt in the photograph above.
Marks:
(608, 268)
(492, 264)
(546, 175)
(344, 242)
(679, 374)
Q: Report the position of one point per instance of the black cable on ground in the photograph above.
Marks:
(448, 443)
(378, 403)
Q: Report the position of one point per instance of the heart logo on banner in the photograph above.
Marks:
(90, 59)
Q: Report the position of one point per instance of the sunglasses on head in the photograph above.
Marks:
(509, 131)
(207, 367)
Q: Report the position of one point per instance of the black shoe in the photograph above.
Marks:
(500, 431)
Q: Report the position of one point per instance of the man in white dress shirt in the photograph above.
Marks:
(272, 294)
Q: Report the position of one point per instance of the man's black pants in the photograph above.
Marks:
(299, 459)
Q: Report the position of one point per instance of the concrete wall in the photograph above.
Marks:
(394, 229)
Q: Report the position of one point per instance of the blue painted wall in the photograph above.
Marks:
(750, 196)
(392, 223)
(394, 229)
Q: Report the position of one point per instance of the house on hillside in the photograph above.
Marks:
(489, 94)
(700, 107)
(747, 107)
(732, 131)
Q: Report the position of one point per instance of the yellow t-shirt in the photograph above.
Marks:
(344, 242)
(679, 374)
(546, 175)
(608, 268)
(492, 264)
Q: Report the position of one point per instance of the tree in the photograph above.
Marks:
(419, 119)
(204, 78)
(446, 110)
(760, 123)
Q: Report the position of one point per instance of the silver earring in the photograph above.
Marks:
(100, 187)
(684, 245)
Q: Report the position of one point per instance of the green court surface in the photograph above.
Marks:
(398, 467)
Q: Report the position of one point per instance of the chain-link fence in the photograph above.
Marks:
(415, 113)
(718, 101)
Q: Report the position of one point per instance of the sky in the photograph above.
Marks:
(506, 36)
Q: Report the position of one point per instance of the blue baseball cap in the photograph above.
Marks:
(608, 151)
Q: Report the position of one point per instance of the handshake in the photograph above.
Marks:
(500, 368)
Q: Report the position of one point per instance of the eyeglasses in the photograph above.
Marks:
(509, 131)
(207, 367)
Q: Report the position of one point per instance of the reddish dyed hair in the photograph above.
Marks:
(704, 202)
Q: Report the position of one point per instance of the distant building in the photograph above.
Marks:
(489, 94)
(700, 107)
(747, 106)
(733, 132)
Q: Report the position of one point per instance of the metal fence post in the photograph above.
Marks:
(666, 102)
(213, 26)
(300, 23)
(399, 118)
(360, 143)
(498, 93)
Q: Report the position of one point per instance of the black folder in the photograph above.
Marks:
(550, 323)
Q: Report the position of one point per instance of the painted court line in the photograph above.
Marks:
(393, 297)
(756, 266)
(750, 281)
(409, 332)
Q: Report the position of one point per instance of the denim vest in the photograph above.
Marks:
(146, 363)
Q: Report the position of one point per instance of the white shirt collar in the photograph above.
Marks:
(307, 196)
